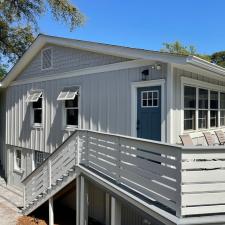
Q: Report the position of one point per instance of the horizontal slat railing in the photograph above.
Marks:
(51, 170)
(147, 167)
(203, 181)
(188, 181)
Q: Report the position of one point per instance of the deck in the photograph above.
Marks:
(184, 182)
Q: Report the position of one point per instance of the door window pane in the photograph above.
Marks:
(189, 97)
(149, 99)
(189, 119)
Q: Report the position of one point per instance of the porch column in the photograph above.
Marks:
(115, 212)
(169, 108)
(51, 211)
(83, 201)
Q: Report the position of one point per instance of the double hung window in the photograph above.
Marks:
(203, 108)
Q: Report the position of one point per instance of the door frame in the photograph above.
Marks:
(149, 83)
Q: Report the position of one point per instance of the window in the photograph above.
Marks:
(203, 108)
(189, 107)
(149, 99)
(70, 97)
(222, 107)
(35, 97)
(213, 109)
(46, 59)
(18, 160)
(37, 111)
(71, 112)
(39, 158)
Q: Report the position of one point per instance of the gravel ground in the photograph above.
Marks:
(9, 203)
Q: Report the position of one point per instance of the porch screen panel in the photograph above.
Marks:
(203, 109)
(222, 109)
(214, 109)
(189, 107)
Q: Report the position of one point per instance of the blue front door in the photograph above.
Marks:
(149, 113)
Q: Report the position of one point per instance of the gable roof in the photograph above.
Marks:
(127, 52)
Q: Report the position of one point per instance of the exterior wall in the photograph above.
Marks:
(96, 203)
(105, 105)
(133, 216)
(177, 108)
(15, 177)
(67, 59)
(2, 129)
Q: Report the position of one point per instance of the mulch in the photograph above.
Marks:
(27, 220)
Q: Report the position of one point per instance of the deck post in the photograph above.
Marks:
(51, 211)
(179, 185)
(78, 200)
(115, 212)
(83, 201)
(107, 209)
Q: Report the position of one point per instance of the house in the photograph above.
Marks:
(95, 128)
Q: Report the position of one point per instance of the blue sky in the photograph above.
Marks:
(147, 23)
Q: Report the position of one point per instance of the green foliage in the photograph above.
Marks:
(179, 48)
(2, 71)
(219, 58)
(19, 23)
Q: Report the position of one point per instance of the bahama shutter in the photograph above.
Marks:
(68, 93)
(34, 96)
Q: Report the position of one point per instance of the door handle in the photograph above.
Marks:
(138, 125)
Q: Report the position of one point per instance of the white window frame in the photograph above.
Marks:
(200, 85)
(15, 166)
(64, 119)
(157, 98)
(43, 69)
(37, 125)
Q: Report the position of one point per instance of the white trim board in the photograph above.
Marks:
(149, 83)
(87, 71)
(130, 53)
(198, 84)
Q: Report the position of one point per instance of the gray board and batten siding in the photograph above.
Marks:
(66, 59)
(105, 101)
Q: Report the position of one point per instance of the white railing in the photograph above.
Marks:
(188, 181)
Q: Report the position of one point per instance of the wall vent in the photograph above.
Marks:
(46, 59)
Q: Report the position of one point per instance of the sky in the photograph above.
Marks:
(147, 24)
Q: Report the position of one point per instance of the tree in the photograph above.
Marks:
(19, 26)
(3, 71)
(179, 48)
(219, 58)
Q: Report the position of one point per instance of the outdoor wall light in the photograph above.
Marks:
(158, 67)
(145, 74)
